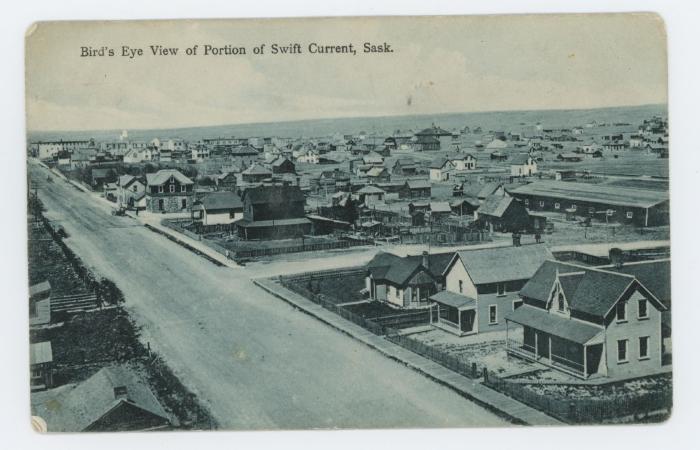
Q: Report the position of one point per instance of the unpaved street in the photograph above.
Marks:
(254, 361)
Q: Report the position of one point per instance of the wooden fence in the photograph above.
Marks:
(457, 364)
(593, 410)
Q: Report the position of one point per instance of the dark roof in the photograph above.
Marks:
(399, 270)
(481, 190)
(498, 264)
(438, 163)
(90, 400)
(540, 319)
(434, 131)
(246, 150)
(654, 275)
(589, 290)
(257, 169)
(224, 200)
(422, 139)
(418, 184)
(273, 194)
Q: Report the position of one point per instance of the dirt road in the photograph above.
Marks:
(253, 360)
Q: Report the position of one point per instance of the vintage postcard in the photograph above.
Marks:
(370, 222)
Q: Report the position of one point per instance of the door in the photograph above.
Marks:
(161, 204)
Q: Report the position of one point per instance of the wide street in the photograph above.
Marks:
(255, 361)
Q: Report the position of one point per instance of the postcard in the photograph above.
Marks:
(348, 223)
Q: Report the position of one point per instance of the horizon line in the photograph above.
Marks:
(98, 130)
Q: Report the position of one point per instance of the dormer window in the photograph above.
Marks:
(120, 392)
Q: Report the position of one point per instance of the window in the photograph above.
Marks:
(527, 202)
(184, 203)
(642, 309)
(556, 206)
(517, 304)
(609, 212)
(591, 210)
(183, 188)
(120, 391)
(622, 350)
(501, 288)
(461, 286)
(644, 347)
(135, 188)
(573, 206)
(172, 188)
(560, 302)
(629, 214)
(160, 189)
(493, 315)
(541, 203)
(621, 312)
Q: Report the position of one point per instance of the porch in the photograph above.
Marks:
(569, 346)
(454, 313)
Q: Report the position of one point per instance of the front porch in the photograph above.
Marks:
(454, 313)
(569, 346)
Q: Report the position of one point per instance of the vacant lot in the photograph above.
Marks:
(47, 262)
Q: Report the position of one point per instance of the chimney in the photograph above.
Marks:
(120, 392)
(426, 260)
(616, 256)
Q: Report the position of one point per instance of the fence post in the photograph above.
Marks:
(486, 375)
(474, 370)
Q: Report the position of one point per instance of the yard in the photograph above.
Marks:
(484, 349)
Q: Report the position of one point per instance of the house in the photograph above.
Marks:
(39, 304)
(496, 144)
(169, 190)
(406, 282)
(439, 211)
(41, 365)
(433, 138)
(116, 398)
(404, 167)
(614, 146)
(641, 207)
(282, 165)
(309, 156)
(131, 191)
(465, 206)
(333, 180)
(498, 156)
(440, 169)
(503, 214)
(256, 173)
(370, 195)
(217, 210)
(416, 189)
(480, 192)
(226, 181)
(481, 287)
(101, 176)
(570, 157)
(244, 155)
(523, 165)
(378, 174)
(273, 212)
(587, 322)
(466, 162)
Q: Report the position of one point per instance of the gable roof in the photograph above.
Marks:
(593, 291)
(520, 159)
(399, 270)
(439, 163)
(597, 193)
(654, 275)
(495, 205)
(218, 201)
(273, 194)
(481, 190)
(498, 264)
(162, 176)
(418, 184)
(257, 169)
(245, 150)
(440, 207)
(90, 400)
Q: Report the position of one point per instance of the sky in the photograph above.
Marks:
(438, 65)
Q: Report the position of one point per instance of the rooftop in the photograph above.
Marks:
(498, 264)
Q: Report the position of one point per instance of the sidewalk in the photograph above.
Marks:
(503, 405)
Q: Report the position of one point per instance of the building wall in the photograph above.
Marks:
(221, 217)
(456, 273)
(171, 203)
(632, 330)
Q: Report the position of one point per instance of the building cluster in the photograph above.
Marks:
(586, 321)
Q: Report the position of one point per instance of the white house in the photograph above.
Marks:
(466, 162)
(218, 209)
(440, 169)
(523, 165)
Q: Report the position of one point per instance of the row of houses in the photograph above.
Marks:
(585, 321)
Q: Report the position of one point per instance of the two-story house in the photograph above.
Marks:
(523, 165)
(131, 191)
(217, 210)
(169, 190)
(482, 285)
(588, 322)
(406, 282)
(273, 212)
